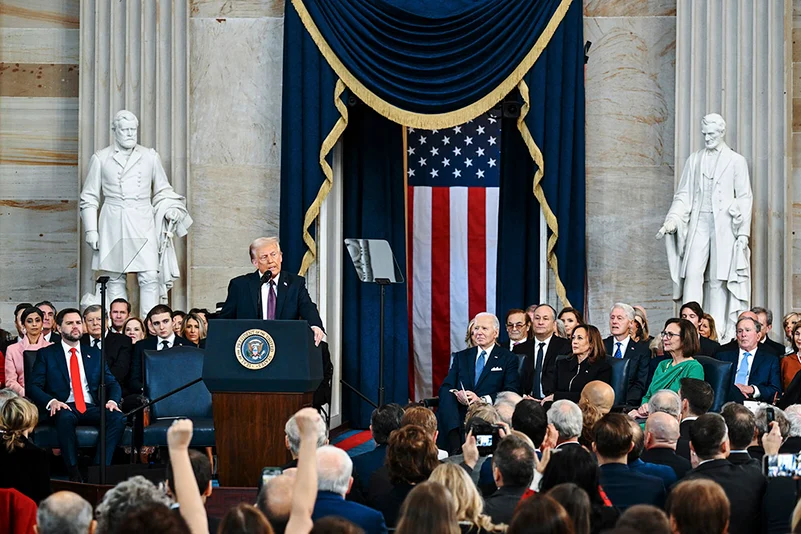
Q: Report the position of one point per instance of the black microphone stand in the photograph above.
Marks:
(103, 280)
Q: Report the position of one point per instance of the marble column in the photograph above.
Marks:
(733, 58)
(134, 56)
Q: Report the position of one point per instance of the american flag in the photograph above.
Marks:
(453, 187)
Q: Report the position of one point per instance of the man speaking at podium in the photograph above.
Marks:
(269, 293)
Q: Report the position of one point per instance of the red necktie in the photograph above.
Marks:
(75, 377)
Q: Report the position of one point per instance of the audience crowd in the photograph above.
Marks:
(555, 430)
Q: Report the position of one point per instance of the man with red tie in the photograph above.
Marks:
(65, 382)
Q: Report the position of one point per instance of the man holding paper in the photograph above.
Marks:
(477, 374)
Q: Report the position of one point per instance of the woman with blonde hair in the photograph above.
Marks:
(23, 466)
(706, 327)
(465, 496)
(194, 329)
(428, 509)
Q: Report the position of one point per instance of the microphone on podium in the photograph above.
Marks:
(266, 277)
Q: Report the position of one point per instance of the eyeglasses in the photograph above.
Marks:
(515, 326)
(668, 335)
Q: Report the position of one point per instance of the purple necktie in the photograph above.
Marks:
(271, 301)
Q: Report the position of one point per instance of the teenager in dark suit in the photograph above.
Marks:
(165, 338)
(538, 373)
(620, 345)
(119, 347)
(283, 296)
(756, 374)
(586, 364)
(65, 382)
(477, 374)
(693, 312)
(744, 486)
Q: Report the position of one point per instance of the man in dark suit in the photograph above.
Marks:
(661, 436)
(521, 339)
(334, 468)
(757, 374)
(765, 318)
(383, 421)
(66, 381)
(118, 346)
(49, 321)
(620, 345)
(744, 486)
(538, 371)
(624, 487)
(767, 345)
(477, 374)
(278, 295)
(693, 312)
(513, 471)
(741, 426)
(696, 399)
(165, 338)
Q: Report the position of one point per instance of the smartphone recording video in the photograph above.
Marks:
(782, 465)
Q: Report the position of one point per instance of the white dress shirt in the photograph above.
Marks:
(750, 365)
(170, 342)
(547, 343)
(485, 398)
(513, 343)
(264, 295)
(623, 346)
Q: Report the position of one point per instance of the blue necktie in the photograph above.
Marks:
(480, 364)
(618, 354)
(742, 372)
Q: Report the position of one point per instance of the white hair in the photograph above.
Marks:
(293, 433)
(665, 400)
(793, 414)
(495, 320)
(123, 115)
(126, 496)
(261, 242)
(567, 418)
(505, 403)
(334, 469)
(64, 512)
(713, 119)
(627, 309)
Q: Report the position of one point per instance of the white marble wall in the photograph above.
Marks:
(235, 147)
(630, 92)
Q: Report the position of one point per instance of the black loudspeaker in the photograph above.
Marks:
(511, 109)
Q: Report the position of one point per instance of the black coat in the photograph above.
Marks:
(681, 466)
(744, 486)
(500, 506)
(683, 445)
(119, 350)
(708, 347)
(136, 381)
(640, 356)
(571, 376)
(557, 347)
(27, 470)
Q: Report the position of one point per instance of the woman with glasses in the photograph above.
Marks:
(680, 339)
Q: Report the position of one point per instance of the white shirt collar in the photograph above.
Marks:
(513, 343)
(488, 351)
(624, 345)
(546, 341)
(170, 340)
(67, 348)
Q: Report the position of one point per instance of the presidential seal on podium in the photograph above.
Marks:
(255, 349)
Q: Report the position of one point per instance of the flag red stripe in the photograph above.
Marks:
(409, 284)
(477, 249)
(440, 284)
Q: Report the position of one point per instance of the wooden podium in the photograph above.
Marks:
(254, 394)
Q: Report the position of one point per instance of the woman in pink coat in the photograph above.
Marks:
(32, 340)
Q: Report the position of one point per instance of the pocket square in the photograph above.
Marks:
(497, 369)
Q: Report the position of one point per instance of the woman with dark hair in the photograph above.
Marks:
(789, 365)
(32, 320)
(681, 343)
(576, 503)
(411, 457)
(134, 328)
(428, 509)
(540, 514)
(577, 466)
(571, 318)
(587, 363)
(244, 519)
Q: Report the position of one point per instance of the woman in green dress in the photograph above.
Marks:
(680, 339)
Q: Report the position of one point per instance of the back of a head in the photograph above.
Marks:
(244, 519)
(487, 412)
(201, 468)
(664, 429)
(567, 418)
(17, 416)
(411, 455)
(598, 394)
(153, 519)
(128, 495)
(698, 506)
(514, 458)
(576, 466)
(637, 440)
(590, 415)
(64, 512)
(793, 414)
(576, 503)
(335, 525)
(761, 420)
(613, 435)
(530, 419)
(740, 424)
(665, 400)
(645, 518)
(275, 501)
(707, 435)
(467, 500)
(293, 434)
(698, 394)
(505, 403)
(384, 420)
(6, 394)
(422, 417)
(428, 509)
(540, 514)
(334, 468)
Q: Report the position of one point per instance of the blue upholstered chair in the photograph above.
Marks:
(620, 378)
(717, 374)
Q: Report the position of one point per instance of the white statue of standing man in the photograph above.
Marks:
(709, 224)
(140, 215)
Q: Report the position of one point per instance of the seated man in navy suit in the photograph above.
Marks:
(334, 468)
(756, 372)
(275, 296)
(621, 345)
(477, 374)
(66, 382)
